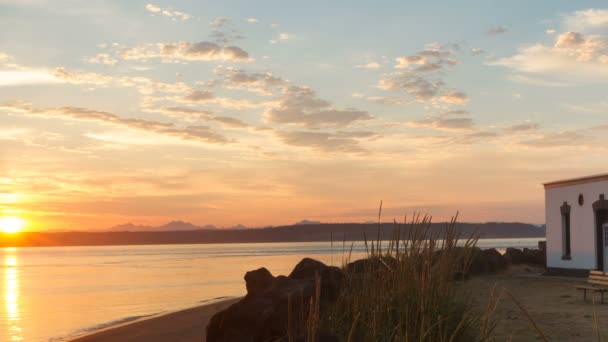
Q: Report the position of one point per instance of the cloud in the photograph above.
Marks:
(153, 8)
(454, 97)
(449, 124)
(252, 20)
(550, 31)
(419, 76)
(286, 36)
(494, 31)
(168, 12)
(370, 65)
(326, 142)
(573, 57)
(587, 19)
(101, 58)
(219, 21)
(473, 138)
(536, 81)
(194, 133)
(26, 76)
(199, 96)
(523, 127)
(477, 51)
(301, 106)
(390, 100)
(560, 139)
(258, 82)
(201, 51)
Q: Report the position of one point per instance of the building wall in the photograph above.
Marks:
(582, 224)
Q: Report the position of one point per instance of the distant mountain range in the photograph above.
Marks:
(171, 226)
(178, 232)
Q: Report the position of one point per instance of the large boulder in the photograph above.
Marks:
(263, 314)
(372, 264)
(487, 261)
(257, 281)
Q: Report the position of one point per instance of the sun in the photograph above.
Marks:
(11, 225)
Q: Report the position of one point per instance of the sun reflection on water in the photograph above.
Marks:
(11, 294)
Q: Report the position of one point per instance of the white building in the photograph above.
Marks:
(577, 224)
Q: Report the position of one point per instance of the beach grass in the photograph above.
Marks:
(407, 289)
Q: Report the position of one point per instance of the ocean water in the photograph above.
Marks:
(55, 293)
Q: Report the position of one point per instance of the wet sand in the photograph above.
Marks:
(181, 326)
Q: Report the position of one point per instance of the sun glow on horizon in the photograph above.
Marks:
(11, 225)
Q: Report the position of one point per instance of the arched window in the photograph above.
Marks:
(565, 209)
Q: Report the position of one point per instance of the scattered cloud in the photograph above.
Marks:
(252, 20)
(494, 31)
(477, 51)
(153, 8)
(301, 106)
(101, 58)
(536, 81)
(258, 82)
(26, 76)
(326, 142)
(454, 97)
(523, 127)
(220, 21)
(573, 57)
(449, 124)
(286, 36)
(550, 31)
(199, 96)
(195, 133)
(587, 19)
(370, 65)
(560, 139)
(389, 100)
(201, 51)
(419, 76)
(168, 12)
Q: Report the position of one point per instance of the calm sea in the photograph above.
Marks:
(51, 294)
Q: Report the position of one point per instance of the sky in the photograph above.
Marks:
(271, 112)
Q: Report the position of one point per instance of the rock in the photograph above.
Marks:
(514, 256)
(534, 256)
(257, 281)
(263, 314)
(487, 261)
(375, 264)
(542, 245)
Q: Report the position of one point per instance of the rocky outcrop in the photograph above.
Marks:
(271, 303)
(527, 256)
(515, 256)
(264, 313)
(487, 261)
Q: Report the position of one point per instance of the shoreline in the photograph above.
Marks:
(181, 325)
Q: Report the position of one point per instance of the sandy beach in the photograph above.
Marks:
(556, 306)
(181, 326)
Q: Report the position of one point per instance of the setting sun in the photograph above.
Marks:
(11, 225)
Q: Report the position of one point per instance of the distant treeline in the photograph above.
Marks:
(294, 233)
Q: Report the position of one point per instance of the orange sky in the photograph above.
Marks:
(237, 114)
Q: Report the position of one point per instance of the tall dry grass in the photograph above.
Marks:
(407, 290)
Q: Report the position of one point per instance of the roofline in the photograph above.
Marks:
(576, 181)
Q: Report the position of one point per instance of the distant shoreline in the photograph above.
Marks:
(295, 233)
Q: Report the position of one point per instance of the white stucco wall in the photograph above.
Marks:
(582, 224)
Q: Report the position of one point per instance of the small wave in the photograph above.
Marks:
(97, 327)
